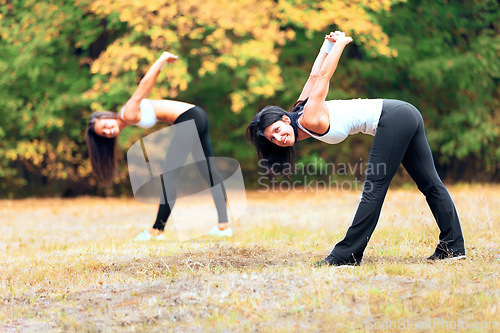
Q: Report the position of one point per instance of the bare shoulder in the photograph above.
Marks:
(130, 112)
(315, 117)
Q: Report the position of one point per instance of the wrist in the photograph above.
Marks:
(327, 46)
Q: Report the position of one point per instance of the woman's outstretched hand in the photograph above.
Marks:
(338, 36)
(332, 36)
(168, 57)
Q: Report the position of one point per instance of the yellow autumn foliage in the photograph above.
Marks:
(232, 33)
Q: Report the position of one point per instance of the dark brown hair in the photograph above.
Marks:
(102, 150)
(277, 159)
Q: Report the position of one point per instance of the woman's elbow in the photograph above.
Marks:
(324, 75)
(144, 81)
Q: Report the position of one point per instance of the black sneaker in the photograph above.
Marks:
(332, 261)
(441, 254)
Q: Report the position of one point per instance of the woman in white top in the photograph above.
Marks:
(104, 126)
(399, 133)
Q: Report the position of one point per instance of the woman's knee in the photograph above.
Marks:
(372, 190)
(432, 186)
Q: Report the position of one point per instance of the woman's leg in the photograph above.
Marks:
(419, 163)
(163, 212)
(214, 178)
(397, 125)
(162, 217)
(211, 175)
(179, 149)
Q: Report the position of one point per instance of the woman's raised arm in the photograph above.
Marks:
(323, 53)
(315, 106)
(131, 108)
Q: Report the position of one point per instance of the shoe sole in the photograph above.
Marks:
(342, 266)
(221, 233)
(456, 258)
(318, 265)
(461, 257)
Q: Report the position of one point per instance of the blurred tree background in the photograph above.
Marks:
(60, 60)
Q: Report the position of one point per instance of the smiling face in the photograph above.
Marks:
(107, 127)
(281, 132)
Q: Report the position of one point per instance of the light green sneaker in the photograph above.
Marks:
(143, 237)
(215, 231)
(160, 237)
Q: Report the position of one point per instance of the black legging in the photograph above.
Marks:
(400, 138)
(208, 170)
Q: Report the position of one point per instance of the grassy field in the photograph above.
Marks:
(71, 265)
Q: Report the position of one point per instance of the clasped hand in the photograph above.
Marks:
(338, 37)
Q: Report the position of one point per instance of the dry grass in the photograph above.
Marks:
(70, 265)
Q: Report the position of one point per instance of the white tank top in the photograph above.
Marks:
(349, 117)
(148, 116)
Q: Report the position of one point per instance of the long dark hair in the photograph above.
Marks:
(278, 160)
(102, 150)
